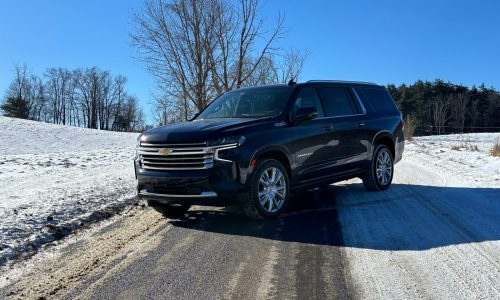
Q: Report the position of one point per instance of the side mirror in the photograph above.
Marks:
(305, 113)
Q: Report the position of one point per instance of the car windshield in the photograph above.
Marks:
(248, 103)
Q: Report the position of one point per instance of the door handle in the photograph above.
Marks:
(328, 128)
(361, 124)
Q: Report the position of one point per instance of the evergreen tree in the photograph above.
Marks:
(15, 107)
(470, 110)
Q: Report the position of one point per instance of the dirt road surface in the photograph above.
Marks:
(425, 237)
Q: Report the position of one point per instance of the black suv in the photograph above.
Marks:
(255, 146)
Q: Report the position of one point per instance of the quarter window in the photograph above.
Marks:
(377, 100)
(337, 101)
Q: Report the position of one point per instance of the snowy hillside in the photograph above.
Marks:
(55, 178)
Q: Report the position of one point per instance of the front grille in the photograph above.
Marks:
(182, 186)
(174, 157)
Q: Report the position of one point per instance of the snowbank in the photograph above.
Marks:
(56, 178)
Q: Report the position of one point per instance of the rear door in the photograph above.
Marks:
(346, 119)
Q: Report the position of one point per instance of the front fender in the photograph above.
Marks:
(247, 168)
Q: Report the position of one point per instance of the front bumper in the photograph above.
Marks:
(216, 186)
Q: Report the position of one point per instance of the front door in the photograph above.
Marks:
(312, 142)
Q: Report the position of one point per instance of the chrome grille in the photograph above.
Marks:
(173, 157)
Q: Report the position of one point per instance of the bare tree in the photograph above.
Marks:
(39, 98)
(459, 104)
(119, 96)
(106, 99)
(171, 37)
(161, 111)
(88, 97)
(239, 28)
(440, 112)
(58, 83)
(289, 66)
(130, 117)
(200, 49)
(74, 116)
(20, 90)
(93, 88)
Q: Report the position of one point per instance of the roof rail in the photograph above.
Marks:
(342, 81)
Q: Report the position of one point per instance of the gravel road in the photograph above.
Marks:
(426, 237)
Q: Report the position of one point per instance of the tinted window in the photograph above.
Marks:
(309, 97)
(337, 101)
(252, 103)
(377, 100)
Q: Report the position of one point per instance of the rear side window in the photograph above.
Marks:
(377, 100)
(337, 101)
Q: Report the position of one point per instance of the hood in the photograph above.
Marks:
(197, 131)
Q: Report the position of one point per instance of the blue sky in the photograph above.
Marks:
(380, 41)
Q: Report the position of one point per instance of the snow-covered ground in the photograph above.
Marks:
(458, 157)
(56, 178)
(435, 234)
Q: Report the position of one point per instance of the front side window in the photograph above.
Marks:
(337, 101)
(309, 97)
(248, 103)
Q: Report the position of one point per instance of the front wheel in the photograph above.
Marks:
(381, 170)
(268, 190)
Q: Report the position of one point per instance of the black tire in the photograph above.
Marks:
(169, 210)
(252, 206)
(371, 181)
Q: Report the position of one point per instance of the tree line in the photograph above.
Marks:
(84, 97)
(440, 107)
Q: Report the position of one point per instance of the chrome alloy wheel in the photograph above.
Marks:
(272, 189)
(384, 167)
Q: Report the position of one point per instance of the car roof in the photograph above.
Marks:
(340, 83)
(314, 82)
(261, 87)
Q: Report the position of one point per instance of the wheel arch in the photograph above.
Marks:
(275, 152)
(385, 138)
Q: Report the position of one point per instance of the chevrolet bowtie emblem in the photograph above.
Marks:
(165, 151)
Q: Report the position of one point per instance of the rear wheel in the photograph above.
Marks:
(381, 170)
(172, 211)
(268, 192)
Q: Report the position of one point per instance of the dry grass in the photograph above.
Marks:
(410, 124)
(495, 151)
(465, 146)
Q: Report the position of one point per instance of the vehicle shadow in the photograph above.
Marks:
(405, 217)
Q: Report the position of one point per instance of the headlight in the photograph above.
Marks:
(226, 141)
(225, 146)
